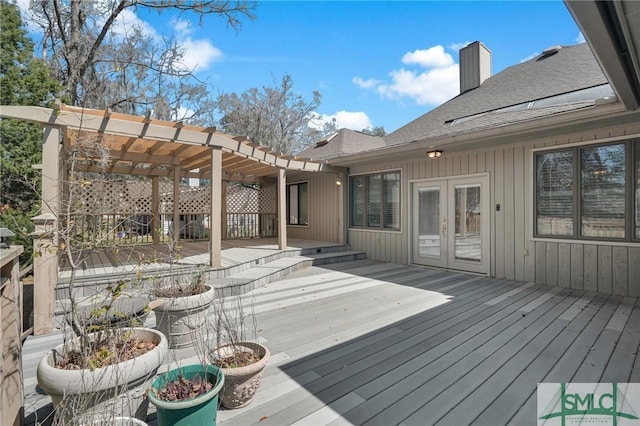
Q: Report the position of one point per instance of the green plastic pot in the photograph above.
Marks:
(198, 411)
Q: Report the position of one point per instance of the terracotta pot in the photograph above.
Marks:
(118, 390)
(183, 319)
(241, 383)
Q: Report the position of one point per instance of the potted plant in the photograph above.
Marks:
(103, 368)
(243, 365)
(241, 360)
(182, 306)
(187, 395)
(112, 372)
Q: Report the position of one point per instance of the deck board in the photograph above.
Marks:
(385, 344)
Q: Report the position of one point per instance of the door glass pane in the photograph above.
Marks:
(603, 191)
(554, 193)
(428, 222)
(467, 242)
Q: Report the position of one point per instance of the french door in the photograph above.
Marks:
(450, 225)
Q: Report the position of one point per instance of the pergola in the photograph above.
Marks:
(156, 148)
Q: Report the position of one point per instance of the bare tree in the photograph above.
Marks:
(125, 70)
(276, 117)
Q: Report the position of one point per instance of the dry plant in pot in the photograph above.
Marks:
(182, 304)
(187, 395)
(241, 359)
(102, 367)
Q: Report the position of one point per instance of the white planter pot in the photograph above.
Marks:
(241, 383)
(116, 421)
(115, 390)
(183, 319)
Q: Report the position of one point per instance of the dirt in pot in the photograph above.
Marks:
(108, 350)
(238, 359)
(182, 388)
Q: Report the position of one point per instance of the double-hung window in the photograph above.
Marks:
(375, 200)
(588, 192)
(298, 203)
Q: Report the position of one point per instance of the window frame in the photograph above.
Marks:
(288, 203)
(383, 201)
(631, 213)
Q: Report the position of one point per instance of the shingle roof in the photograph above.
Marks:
(343, 142)
(570, 69)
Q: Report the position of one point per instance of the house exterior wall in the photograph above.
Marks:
(606, 267)
(325, 208)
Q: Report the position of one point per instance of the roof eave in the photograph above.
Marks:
(606, 29)
(523, 130)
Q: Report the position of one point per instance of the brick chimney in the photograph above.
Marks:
(475, 65)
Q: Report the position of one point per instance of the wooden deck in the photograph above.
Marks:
(369, 343)
(148, 256)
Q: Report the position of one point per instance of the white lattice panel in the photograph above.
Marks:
(101, 196)
(166, 197)
(268, 198)
(195, 200)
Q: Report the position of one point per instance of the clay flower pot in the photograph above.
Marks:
(183, 319)
(241, 383)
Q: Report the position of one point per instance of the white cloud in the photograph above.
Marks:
(580, 38)
(530, 57)
(182, 27)
(432, 57)
(127, 19)
(431, 87)
(344, 120)
(457, 46)
(435, 81)
(365, 84)
(199, 54)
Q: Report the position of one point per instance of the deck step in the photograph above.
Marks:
(246, 277)
(261, 275)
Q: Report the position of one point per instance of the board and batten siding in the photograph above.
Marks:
(604, 267)
(325, 208)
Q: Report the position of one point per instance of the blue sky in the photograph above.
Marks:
(375, 63)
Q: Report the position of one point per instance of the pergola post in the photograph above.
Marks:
(282, 210)
(215, 217)
(155, 210)
(45, 241)
(176, 204)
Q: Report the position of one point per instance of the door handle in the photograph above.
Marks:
(444, 228)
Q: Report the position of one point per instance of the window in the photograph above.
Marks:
(589, 192)
(375, 200)
(298, 203)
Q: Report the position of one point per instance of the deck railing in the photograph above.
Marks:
(10, 337)
(251, 225)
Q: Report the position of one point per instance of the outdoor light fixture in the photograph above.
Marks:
(5, 235)
(434, 153)
(339, 180)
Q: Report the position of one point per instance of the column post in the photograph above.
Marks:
(282, 210)
(215, 217)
